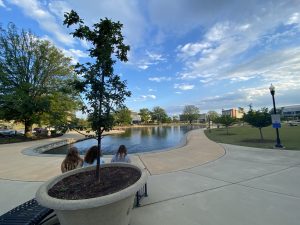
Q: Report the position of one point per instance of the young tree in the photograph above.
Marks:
(259, 119)
(159, 114)
(211, 116)
(103, 89)
(225, 120)
(190, 113)
(32, 71)
(123, 116)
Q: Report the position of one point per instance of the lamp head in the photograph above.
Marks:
(272, 89)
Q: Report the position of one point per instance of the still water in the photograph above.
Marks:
(142, 139)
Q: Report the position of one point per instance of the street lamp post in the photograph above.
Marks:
(272, 91)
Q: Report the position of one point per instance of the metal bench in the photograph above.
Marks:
(29, 213)
(143, 192)
(32, 213)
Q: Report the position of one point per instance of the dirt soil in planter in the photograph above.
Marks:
(84, 185)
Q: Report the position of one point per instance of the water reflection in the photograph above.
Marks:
(142, 139)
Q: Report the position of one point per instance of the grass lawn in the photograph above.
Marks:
(250, 136)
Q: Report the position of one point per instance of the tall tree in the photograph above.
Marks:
(145, 115)
(103, 89)
(259, 119)
(191, 113)
(225, 120)
(31, 70)
(159, 114)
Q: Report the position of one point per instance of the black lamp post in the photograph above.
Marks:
(272, 91)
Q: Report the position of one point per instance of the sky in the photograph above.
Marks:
(214, 54)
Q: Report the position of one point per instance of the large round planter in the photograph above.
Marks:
(113, 209)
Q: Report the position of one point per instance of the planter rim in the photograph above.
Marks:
(61, 204)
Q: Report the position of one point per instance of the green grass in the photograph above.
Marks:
(250, 136)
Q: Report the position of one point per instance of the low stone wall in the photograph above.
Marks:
(57, 144)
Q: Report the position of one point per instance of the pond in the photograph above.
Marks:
(136, 139)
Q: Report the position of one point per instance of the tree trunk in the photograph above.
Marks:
(227, 130)
(98, 156)
(261, 135)
(28, 128)
(99, 131)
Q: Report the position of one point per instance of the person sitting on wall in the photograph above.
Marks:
(90, 158)
(121, 155)
(72, 160)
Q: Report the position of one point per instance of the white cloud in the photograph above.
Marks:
(184, 87)
(144, 98)
(192, 49)
(127, 12)
(244, 27)
(44, 18)
(143, 67)
(283, 65)
(151, 96)
(160, 79)
(147, 60)
(295, 18)
(58, 8)
(218, 32)
(75, 54)
(241, 78)
(2, 4)
(155, 57)
(228, 43)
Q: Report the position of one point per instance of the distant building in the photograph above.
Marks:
(292, 111)
(234, 113)
(202, 117)
(135, 118)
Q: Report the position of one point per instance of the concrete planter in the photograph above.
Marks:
(113, 209)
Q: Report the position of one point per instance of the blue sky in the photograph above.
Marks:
(208, 53)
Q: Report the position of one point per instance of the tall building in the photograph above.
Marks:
(234, 113)
(292, 111)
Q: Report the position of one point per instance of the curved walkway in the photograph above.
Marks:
(248, 186)
(14, 165)
(197, 151)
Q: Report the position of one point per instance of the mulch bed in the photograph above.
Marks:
(84, 185)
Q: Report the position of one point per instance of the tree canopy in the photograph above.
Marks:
(190, 113)
(103, 89)
(211, 117)
(33, 73)
(123, 116)
(145, 115)
(159, 114)
(259, 119)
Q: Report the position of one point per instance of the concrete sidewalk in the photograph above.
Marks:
(195, 184)
(21, 175)
(247, 186)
